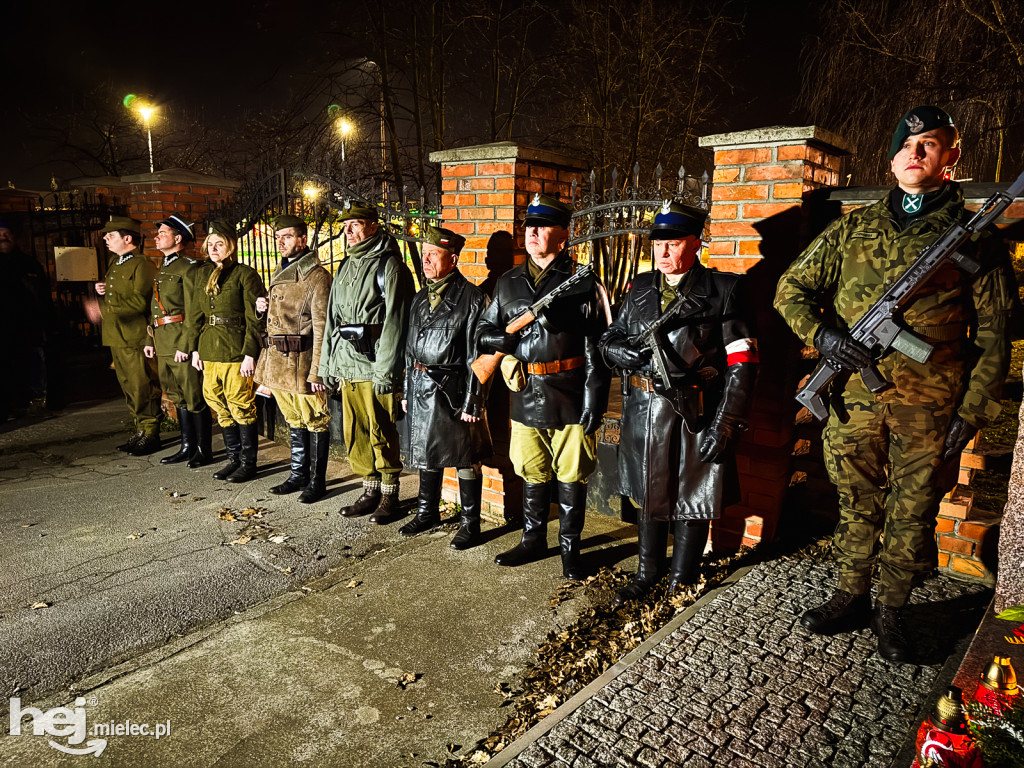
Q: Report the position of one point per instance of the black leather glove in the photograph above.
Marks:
(499, 341)
(591, 420)
(840, 350)
(719, 438)
(958, 436)
(621, 354)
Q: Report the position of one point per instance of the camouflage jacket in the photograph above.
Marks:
(125, 305)
(848, 267)
(172, 294)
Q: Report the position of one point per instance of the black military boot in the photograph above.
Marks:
(366, 503)
(843, 612)
(319, 447)
(887, 624)
(187, 439)
(470, 492)
(202, 430)
(233, 449)
(534, 544)
(689, 538)
(572, 509)
(427, 514)
(145, 444)
(652, 541)
(128, 444)
(247, 456)
(387, 510)
(299, 476)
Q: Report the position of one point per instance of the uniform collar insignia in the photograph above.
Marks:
(124, 257)
(912, 203)
(170, 259)
(915, 124)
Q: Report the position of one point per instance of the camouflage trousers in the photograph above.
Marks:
(884, 461)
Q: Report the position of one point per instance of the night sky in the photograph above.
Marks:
(220, 58)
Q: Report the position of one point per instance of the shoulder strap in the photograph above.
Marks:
(380, 276)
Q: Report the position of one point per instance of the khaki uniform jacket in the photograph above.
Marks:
(174, 284)
(125, 305)
(240, 286)
(857, 257)
(298, 307)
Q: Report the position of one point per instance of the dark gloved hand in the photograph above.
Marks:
(591, 420)
(840, 350)
(383, 389)
(719, 438)
(499, 341)
(957, 438)
(621, 354)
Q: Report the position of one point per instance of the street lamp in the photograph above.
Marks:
(146, 111)
(344, 129)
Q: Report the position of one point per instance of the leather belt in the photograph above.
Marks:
(642, 382)
(288, 342)
(167, 319)
(939, 333)
(230, 321)
(419, 366)
(555, 366)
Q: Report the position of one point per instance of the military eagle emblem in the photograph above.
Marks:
(536, 199)
(666, 206)
(915, 124)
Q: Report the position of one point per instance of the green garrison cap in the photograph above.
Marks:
(444, 238)
(221, 227)
(356, 209)
(547, 211)
(674, 221)
(918, 120)
(126, 223)
(286, 220)
(179, 225)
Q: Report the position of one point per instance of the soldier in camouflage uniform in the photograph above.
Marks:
(883, 450)
(172, 293)
(125, 294)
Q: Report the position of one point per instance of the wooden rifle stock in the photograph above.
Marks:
(485, 365)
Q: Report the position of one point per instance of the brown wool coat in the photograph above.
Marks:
(298, 306)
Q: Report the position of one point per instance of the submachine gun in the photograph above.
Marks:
(879, 329)
(485, 365)
(683, 305)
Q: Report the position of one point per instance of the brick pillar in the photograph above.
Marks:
(485, 192)
(759, 223)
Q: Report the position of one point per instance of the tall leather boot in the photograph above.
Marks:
(319, 447)
(572, 509)
(427, 513)
(652, 541)
(233, 448)
(247, 456)
(299, 476)
(534, 544)
(470, 492)
(187, 439)
(687, 550)
(202, 430)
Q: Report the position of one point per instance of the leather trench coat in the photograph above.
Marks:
(569, 328)
(298, 310)
(658, 456)
(444, 340)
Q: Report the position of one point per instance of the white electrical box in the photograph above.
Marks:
(76, 263)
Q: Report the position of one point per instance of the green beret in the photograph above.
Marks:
(122, 222)
(179, 225)
(286, 220)
(674, 221)
(918, 120)
(444, 238)
(222, 228)
(356, 209)
(547, 211)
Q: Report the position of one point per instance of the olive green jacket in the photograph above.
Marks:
(298, 307)
(356, 299)
(240, 286)
(125, 304)
(172, 288)
(850, 265)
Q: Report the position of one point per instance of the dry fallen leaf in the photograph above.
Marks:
(353, 584)
(408, 679)
(132, 536)
(241, 540)
(226, 514)
(279, 539)
(37, 606)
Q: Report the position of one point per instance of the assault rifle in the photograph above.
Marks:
(681, 306)
(878, 329)
(485, 365)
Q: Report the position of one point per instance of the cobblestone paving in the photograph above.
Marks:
(743, 684)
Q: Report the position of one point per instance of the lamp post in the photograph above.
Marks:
(344, 129)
